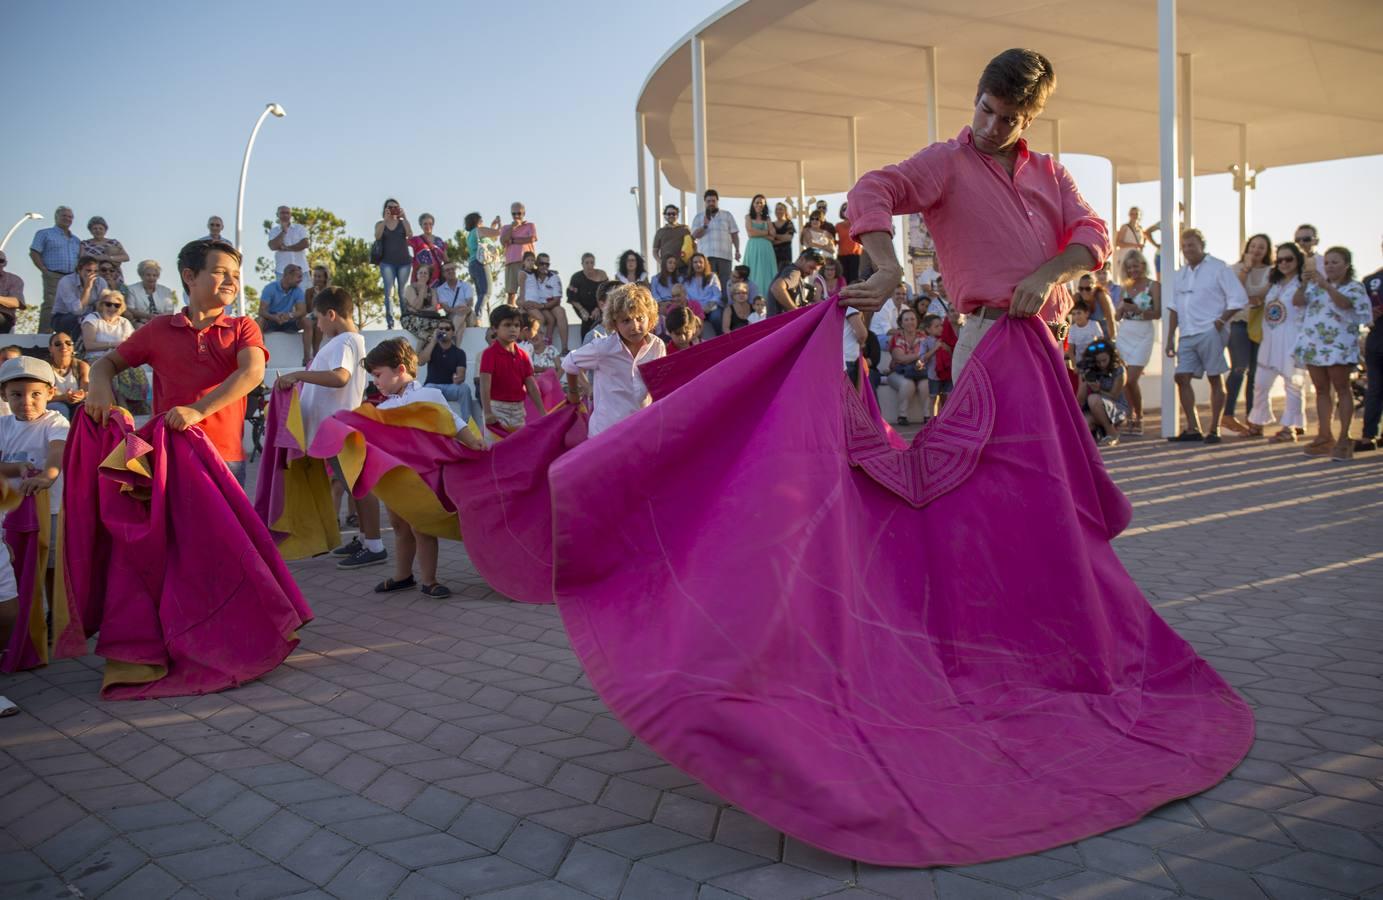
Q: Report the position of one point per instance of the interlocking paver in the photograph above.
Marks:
(435, 749)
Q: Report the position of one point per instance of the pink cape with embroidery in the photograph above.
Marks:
(178, 574)
(907, 655)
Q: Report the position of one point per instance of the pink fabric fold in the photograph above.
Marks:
(21, 528)
(913, 655)
(500, 496)
(280, 449)
(184, 582)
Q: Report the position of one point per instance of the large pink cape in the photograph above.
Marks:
(167, 560)
(916, 655)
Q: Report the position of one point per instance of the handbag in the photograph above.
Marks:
(377, 250)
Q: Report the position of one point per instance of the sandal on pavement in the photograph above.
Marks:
(436, 591)
(389, 585)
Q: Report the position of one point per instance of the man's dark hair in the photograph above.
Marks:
(671, 207)
(503, 313)
(334, 298)
(84, 261)
(1024, 78)
(741, 271)
(391, 354)
(1309, 227)
(812, 254)
(711, 192)
(193, 255)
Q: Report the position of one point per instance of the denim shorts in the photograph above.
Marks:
(938, 387)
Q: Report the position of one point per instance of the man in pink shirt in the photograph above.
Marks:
(1010, 226)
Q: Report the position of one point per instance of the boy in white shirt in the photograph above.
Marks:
(335, 381)
(1083, 332)
(393, 365)
(31, 446)
(631, 313)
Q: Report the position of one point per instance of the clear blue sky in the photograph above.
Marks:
(462, 107)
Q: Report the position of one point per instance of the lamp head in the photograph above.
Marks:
(277, 110)
(33, 215)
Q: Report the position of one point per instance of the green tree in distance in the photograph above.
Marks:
(347, 258)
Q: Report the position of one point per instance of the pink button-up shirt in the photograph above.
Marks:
(991, 230)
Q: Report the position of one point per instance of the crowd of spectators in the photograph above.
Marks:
(1290, 312)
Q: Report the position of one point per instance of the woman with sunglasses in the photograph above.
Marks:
(1100, 303)
(103, 331)
(1281, 322)
(1328, 345)
(73, 374)
(1140, 308)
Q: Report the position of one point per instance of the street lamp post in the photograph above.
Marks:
(240, 195)
(15, 227)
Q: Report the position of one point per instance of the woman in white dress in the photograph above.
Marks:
(1140, 308)
(1281, 323)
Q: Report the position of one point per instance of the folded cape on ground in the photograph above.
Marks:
(27, 535)
(166, 559)
(498, 498)
(906, 654)
(293, 492)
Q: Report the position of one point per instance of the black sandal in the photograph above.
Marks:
(389, 585)
(436, 591)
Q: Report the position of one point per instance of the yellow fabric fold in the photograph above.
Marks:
(308, 518)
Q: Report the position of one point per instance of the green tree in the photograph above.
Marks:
(351, 269)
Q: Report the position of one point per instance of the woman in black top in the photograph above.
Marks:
(581, 292)
(396, 265)
(737, 312)
(782, 234)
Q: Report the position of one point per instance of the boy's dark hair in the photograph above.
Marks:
(391, 354)
(679, 317)
(604, 288)
(1024, 78)
(193, 255)
(741, 272)
(336, 299)
(1082, 306)
(928, 320)
(527, 320)
(503, 313)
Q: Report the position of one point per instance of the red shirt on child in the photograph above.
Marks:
(508, 370)
(189, 364)
(943, 356)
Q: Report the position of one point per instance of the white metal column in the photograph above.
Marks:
(801, 195)
(933, 101)
(640, 131)
(682, 207)
(1167, 160)
(1115, 223)
(1187, 140)
(853, 148)
(698, 84)
(657, 194)
(1056, 139)
(1243, 183)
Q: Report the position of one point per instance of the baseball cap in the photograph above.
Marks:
(29, 368)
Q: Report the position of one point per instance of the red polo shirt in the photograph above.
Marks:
(189, 364)
(508, 370)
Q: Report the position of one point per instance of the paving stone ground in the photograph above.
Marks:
(415, 748)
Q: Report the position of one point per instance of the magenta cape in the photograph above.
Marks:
(497, 500)
(26, 534)
(917, 655)
(293, 491)
(168, 561)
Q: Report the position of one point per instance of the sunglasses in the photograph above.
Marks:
(1285, 259)
(1087, 287)
(62, 343)
(1098, 345)
(1306, 240)
(112, 305)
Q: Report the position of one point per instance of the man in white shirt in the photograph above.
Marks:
(288, 240)
(542, 297)
(1205, 295)
(716, 236)
(458, 297)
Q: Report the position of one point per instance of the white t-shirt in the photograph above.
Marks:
(852, 343)
(462, 295)
(297, 232)
(27, 442)
(1082, 337)
(113, 333)
(413, 392)
(345, 351)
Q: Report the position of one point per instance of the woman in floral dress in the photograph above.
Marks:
(1328, 345)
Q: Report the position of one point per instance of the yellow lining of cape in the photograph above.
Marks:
(402, 489)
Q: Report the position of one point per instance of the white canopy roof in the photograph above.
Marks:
(784, 76)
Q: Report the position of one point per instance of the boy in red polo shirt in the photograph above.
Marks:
(204, 361)
(506, 372)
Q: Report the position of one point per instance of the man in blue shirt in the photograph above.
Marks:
(55, 252)
(281, 303)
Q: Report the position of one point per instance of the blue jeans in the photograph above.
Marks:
(480, 279)
(1373, 392)
(460, 394)
(1243, 360)
(393, 275)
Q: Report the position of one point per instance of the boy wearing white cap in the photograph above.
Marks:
(31, 446)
